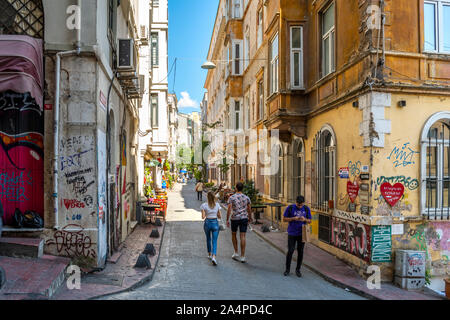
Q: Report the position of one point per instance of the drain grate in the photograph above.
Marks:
(112, 280)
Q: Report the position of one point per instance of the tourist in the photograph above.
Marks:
(239, 210)
(297, 215)
(211, 214)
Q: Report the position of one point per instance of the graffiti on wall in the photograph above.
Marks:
(351, 237)
(381, 244)
(403, 156)
(72, 241)
(102, 205)
(21, 154)
(408, 182)
(354, 168)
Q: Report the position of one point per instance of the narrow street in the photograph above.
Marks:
(184, 271)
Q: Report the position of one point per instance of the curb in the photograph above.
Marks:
(141, 282)
(327, 278)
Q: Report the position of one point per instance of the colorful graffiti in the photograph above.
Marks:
(408, 182)
(351, 237)
(21, 154)
(402, 157)
(355, 168)
(72, 241)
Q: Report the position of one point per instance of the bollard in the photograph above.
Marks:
(154, 234)
(149, 249)
(143, 262)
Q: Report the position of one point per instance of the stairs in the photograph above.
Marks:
(21, 247)
(29, 273)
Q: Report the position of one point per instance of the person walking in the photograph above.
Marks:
(241, 214)
(211, 214)
(199, 189)
(297, 215)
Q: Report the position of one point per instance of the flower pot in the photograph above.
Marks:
(447, 287)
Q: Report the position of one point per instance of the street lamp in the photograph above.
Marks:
(208, 65)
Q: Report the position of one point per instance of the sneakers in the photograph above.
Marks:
(209, 257)
(298, 273)
(235, 256)
(214, 261)
(286, 273)
(243, 260)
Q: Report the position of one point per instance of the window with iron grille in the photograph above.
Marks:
(324, 228)
(436, 171)
(298, 171)
(23, 17)
(324, 158)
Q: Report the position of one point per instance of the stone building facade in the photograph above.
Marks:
(358, 91)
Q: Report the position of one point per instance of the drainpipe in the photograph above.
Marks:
(59, 56)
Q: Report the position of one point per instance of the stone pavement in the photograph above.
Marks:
(185, 272)
(339, 273)
(120, 276)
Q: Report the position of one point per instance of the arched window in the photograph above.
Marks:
(23, 17)
(298, 170)
(324, 155)
(435, 168)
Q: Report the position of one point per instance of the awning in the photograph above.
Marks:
(21, 66)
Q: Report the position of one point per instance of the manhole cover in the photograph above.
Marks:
(112, 280)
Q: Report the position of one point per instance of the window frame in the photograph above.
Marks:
(440, 210)
(438, 26)
(260, 100)
(237, 61)
(259, 28)
(154, 121)
(298, 51)
(274, 64)
(156, 55)
(332, 42)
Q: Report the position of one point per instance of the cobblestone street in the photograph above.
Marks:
(185, 272)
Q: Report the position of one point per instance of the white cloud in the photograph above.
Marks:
(186, 101)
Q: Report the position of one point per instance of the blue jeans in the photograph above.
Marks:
(211, 227)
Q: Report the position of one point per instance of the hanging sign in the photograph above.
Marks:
(344, 173)
(392, 193)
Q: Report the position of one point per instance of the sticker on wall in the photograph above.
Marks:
(365, 210)
(344, 173)
(365, 169)
(364, 186)
(398, 229)
(352, 190)
(392, 193)
(381, 244)
(364, 176)
(364, 197)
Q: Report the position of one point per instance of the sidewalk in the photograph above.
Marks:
(120, 276)
(339, 273)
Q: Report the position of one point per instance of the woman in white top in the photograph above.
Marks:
(211, 214)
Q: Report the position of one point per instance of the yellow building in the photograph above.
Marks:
(359, 91)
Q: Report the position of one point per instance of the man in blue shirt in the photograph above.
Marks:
(297, 215)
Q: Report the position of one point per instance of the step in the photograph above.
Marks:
(21, 247)
(36, 278)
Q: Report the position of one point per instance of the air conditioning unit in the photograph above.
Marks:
(127, 55)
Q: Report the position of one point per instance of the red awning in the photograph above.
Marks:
(21, 66)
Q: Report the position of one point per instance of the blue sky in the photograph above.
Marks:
(190, 29)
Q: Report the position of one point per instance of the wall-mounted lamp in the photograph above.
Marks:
(355, 104)
(402, 103)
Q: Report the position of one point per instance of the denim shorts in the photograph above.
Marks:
(241, 224)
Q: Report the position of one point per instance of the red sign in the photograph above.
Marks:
(392, 193)
(352, 190)
(48, 107)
